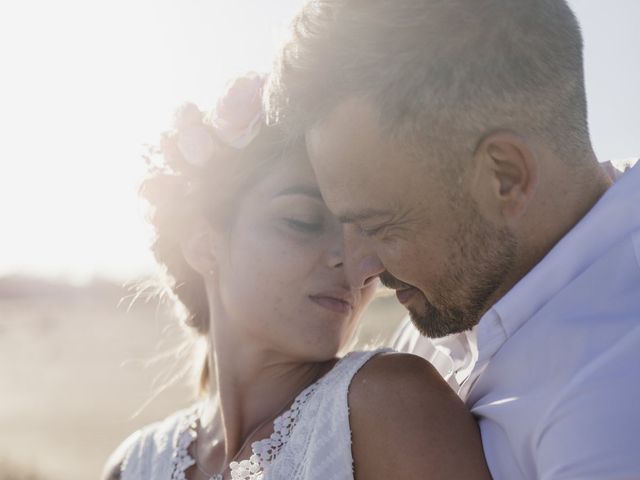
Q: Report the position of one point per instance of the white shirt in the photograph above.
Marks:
(556, 383)
(454, 356)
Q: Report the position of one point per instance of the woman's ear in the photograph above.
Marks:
(198, 247)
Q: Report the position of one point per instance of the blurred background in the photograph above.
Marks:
(84, 85)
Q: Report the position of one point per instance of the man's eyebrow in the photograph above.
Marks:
(351, 217)
(300, 190)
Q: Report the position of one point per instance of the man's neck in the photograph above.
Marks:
(560, 205)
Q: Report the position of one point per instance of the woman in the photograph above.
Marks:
(257, 261)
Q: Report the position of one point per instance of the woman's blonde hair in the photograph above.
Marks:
(177, 192)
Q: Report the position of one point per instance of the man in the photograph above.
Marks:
(451, 138)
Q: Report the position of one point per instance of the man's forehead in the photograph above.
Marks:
(356, 199)
(351, 126)
(361, 172)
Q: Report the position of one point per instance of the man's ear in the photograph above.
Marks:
(198, 247)
(504, 176)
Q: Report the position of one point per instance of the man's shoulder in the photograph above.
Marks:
(594, 419)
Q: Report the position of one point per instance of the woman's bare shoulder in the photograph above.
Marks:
(400, 369)
(406, 420)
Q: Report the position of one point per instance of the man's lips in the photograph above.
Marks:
(332, 303)
(405, 294)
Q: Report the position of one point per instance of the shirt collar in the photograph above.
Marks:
(615, 215)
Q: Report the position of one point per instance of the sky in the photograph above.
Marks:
(85, 84)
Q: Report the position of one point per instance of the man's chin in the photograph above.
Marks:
(434, 323)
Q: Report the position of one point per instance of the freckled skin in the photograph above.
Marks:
(267, 269)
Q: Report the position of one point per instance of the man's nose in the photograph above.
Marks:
(362, 264)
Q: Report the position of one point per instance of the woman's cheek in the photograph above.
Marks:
(299, 246)
(370, 292)
(367, 295)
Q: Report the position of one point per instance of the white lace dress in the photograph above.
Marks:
(310, 441)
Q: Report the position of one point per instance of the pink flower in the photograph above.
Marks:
(239, 114)
(194, 139)
(196, 144)
(186, 115)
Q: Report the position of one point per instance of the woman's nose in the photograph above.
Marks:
(334, 253)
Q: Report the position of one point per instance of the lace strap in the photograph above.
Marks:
(268, 450)
(181, 459)
(320, 445)
(160, 449)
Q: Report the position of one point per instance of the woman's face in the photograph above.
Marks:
(280, 269)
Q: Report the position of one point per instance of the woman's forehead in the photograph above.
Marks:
(289, 173)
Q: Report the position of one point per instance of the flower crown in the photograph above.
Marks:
(234, 122)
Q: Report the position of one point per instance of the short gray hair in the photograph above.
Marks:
(445, 71)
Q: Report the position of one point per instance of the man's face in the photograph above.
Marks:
(408, 221)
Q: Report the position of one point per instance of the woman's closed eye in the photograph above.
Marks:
(305, 225)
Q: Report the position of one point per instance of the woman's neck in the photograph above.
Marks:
(253, 386)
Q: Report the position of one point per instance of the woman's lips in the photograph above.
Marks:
(406, 294)
(333, 304)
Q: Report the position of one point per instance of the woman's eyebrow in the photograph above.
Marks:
(307, 190)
